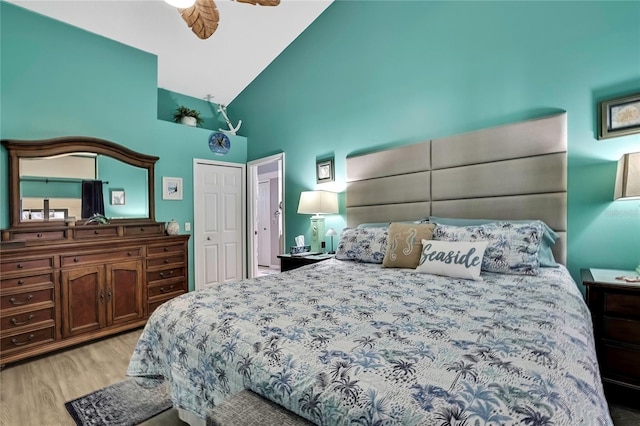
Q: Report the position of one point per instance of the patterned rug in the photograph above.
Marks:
(126, 403)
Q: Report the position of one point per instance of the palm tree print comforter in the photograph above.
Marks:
(347, 343)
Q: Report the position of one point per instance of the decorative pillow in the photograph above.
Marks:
(545, 255)
(455, 259)
(513, 248)
(405, 244)
(362, 244)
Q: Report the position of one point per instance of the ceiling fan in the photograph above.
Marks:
(202, 15)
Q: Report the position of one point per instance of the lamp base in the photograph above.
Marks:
(317, 233)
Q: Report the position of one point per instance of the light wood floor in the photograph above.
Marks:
(33, 393)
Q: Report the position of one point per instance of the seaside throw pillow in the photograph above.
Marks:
(404, 244)
(455, 259)
(512, 249)
(364, 244)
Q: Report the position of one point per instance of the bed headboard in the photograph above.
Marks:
(515, 171)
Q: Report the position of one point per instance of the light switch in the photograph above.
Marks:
(187, 226)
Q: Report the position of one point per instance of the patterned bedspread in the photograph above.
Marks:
(341, 343)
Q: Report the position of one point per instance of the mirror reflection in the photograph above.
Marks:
(78, 185)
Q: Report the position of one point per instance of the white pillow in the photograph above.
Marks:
(455, 259)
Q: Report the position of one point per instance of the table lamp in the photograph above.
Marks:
(331, 233)
(628, 180)
(317, 203)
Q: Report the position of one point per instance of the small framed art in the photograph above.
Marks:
(171, 188)
(619, 116)
(117, 197)
(325, 171)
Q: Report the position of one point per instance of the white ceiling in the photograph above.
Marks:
(248, 38)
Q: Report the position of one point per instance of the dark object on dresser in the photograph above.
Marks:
(615, 308)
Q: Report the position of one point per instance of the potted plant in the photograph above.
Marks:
(188, 116)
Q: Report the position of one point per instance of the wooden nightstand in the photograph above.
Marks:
(615, 309)
(289, 262)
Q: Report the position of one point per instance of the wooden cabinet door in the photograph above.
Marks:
(124, 292)
(83, 300)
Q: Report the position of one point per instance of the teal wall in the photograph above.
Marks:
(57, 80)
(371, 74)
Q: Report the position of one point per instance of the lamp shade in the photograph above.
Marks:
(628, 177)
(180, 4)
(318, 202)
(331, 232)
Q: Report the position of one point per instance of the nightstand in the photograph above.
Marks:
(289, 262)
(615, 309)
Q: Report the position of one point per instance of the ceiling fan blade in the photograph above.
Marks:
(202, 18)
(261, 2)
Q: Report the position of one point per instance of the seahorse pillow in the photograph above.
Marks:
(455, 259)
(513, 247)
(364, 245)
(404, 244)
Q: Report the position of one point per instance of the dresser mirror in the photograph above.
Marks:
(55, 180)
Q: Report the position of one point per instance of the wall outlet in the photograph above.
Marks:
(187, 226)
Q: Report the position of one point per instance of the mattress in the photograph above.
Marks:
(343, 342)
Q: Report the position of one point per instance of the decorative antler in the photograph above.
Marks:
(261, 2)
(202, 18)
(232, 130)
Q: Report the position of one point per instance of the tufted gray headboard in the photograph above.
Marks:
(515, 171)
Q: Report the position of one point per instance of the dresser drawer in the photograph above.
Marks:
(165, 249)
(100, 232)
(622, 361)
(25, 282)
(27, 339)
(100, 257)
(26, 298)
(165, 274)
(142, 230)
(164, 261)
(622, 303)
(26, 319)
(57, 234)
(26, 264)
(622, 330)
(171, 290)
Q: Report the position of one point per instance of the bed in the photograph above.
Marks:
(354, 341)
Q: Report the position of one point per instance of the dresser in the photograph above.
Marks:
(615, 308)
(57, 295)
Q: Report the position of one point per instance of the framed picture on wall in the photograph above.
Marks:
(325, 171)
(171, 188)
(117, 197)
(619, 116)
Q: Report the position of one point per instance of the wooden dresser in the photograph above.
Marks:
(80, 283)
(615, 309)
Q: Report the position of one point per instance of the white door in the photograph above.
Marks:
(219, 222)
(264, 223)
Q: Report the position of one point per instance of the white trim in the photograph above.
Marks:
(252, 170)
(243, 208)
(267, 176)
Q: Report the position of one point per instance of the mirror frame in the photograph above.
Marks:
(17, 149)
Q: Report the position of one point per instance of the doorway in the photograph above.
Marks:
(265, 178)
(219, 222)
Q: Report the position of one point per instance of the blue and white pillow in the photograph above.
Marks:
(363, 244)
(455, 259)
(512, 247)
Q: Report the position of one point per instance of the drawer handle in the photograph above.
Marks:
(163, 275)
(162, 290)
(76, 259)
(96, 232)
(102, 295)
(39, 235)
(165, 249)
(109, 296)
(15, 301)
(129, 253)
(16, 343)
(141, 229)
(20, 282)
(20, 266)
(166, 261)
(16, 322)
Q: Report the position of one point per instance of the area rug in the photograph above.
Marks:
(126, 403)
